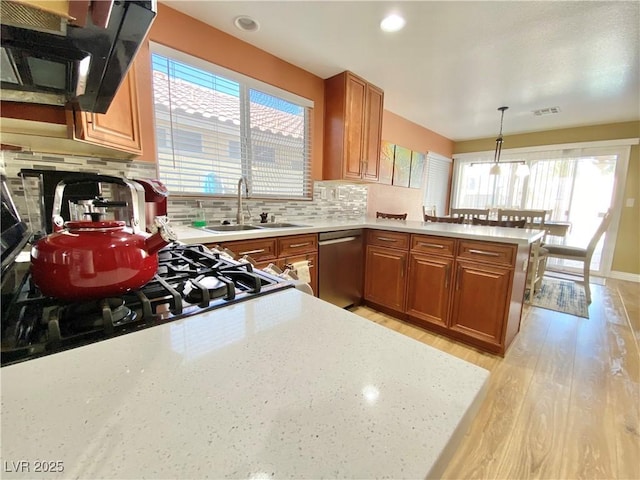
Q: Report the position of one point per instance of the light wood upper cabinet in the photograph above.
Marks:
(119, 128)
(353, 128)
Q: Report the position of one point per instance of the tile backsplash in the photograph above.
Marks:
(330, 199)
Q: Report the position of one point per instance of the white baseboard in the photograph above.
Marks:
(629, 277)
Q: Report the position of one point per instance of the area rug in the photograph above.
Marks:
(561, 296)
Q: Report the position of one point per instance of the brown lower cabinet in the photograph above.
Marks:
(467, 290)
(479, 301)
(430, 278)
(385, 277)
(280, 251)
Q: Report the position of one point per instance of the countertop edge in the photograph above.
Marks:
(187, 234)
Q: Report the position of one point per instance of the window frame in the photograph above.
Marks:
(246, 85)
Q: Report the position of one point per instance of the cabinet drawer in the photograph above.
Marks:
(384, 238)
(261, 250)
(297, 244)
(435, 245)
(487, 252)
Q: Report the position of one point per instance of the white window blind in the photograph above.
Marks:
(214, 126)
(437, 182)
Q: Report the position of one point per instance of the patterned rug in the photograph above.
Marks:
(562, 296)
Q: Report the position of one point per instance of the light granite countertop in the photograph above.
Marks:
(517, 236)
(282, 386)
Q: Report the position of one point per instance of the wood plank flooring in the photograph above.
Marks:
(564, 402)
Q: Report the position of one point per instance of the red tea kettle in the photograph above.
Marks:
(96, 259)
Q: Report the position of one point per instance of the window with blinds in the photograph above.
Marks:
(214, 126)
(436, 191)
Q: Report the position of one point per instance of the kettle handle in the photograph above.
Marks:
(135, 189)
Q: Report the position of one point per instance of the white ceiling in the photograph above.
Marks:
(455, 63)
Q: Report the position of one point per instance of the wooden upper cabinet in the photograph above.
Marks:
(119, 128)
(373, 139)
(353, 128)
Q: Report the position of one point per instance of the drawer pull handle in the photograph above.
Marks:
(482, 252)
(386, 239)
(432, 245)
(298, 245)
(251, 252)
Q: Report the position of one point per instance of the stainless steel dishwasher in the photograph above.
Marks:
(340, 269)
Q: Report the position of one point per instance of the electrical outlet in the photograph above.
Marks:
(630, 202)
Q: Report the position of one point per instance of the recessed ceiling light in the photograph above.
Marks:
(246, 23)
(392, 23)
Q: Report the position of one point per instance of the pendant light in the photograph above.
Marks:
(495, 168)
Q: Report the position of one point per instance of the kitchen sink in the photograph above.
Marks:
(279, 225)
(230, 228)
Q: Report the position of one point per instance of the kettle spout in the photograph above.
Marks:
(164, 236)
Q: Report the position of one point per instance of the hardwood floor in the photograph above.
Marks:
(564, 402)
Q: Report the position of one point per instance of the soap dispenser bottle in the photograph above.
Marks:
(200, 219)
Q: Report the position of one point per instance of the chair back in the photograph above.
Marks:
(430, 218)
(501, 223)
(470, 213)
(604, 225)
(395, 216)
(533, 218)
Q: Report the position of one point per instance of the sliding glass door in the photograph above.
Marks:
(574, 185)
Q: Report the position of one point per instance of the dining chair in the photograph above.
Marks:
(582, 254)
(537, 257)
(533, 218)
(395, 216)
(431, 218)
(470, 213)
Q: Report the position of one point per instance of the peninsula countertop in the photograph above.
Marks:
(517, 236)
(282, 386)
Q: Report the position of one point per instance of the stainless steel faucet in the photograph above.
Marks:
(240, 214)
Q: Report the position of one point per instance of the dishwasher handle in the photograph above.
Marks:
(336, 240)
(337, 234)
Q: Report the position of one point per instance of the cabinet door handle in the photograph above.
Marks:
(447, 272)
(458, 279)
(386, 239)
(297, 245)
(432, 245)
(251, 252)
(482, 252)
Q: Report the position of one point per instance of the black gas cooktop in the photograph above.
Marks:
(191, 279)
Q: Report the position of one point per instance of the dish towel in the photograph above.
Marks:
(302, 270)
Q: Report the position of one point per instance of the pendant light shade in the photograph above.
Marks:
(495, 169)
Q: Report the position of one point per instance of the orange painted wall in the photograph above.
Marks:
(411, 135)
(387, 198)
(181, 32)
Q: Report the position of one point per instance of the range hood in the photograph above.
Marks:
(59, 59)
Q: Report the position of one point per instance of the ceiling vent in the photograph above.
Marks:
(546, 111)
